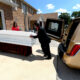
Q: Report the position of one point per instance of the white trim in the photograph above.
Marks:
(3, 20)
(9, 2)
(15, 3)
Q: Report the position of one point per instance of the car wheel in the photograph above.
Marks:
(60, 51)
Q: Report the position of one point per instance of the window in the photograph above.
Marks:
(53, 26)
(31, 11)
(24, 8)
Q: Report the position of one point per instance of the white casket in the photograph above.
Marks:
(14, 38)
(17, 37)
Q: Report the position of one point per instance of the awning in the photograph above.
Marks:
(9, 2)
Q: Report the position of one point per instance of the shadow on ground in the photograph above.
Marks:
(40, 51)
(28, 58)
(64, 72)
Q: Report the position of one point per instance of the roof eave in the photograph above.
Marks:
(9, 3)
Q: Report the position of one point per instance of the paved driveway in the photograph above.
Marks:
(66, 73)
(34, 67)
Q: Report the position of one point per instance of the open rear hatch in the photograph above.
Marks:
(55, 29)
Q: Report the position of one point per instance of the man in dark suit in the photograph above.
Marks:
(44, 40)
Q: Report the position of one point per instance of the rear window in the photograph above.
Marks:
(54, 27)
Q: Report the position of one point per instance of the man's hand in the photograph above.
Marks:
(31, 36)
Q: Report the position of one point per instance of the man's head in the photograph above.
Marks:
(37, 26)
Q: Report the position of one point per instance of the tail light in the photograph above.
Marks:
(74, 50)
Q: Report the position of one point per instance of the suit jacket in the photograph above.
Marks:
(42, 36)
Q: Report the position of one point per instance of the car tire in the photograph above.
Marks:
(60, 51)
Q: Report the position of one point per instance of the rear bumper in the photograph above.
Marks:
(72, 61)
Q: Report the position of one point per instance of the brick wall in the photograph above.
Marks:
(18, 16)
(8, 15)
(11, 15)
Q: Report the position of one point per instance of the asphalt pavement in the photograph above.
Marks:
(35, 67)
(66, 73)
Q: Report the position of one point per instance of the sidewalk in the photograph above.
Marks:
(34, 67)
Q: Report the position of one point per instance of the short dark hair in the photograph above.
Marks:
(37, 24)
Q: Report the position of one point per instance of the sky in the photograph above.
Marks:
(50, 6)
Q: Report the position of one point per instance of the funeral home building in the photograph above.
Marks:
(23, 13)
(15, 10)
